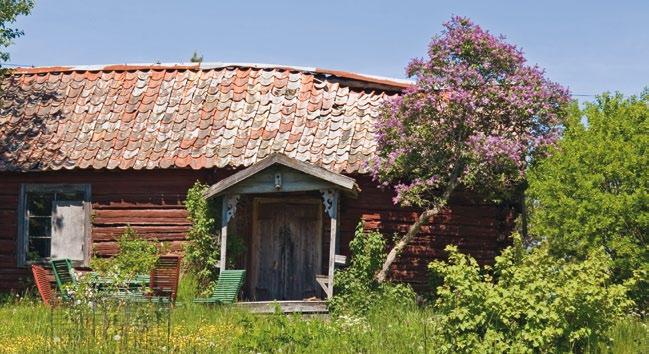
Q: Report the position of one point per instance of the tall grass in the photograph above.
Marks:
(630, 336)
(29, 327)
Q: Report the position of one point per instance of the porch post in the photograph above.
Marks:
(227, 212)
(331, 206)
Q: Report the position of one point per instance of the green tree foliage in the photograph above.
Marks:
(196, 58)
(9, 11)
(537, 303)
(594, 190)
(356, 290)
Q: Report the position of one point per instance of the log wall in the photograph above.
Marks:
(481, 230)
(151, 203)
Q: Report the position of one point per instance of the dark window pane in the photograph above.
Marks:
(71, 195)
(40, 226)
(40, 203)
(39, 248)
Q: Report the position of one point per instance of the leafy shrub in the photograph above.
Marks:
(356, 290)
(202, 253)
(278, 332)
(136, 256)
(537, 303)
(594, 190)
(202, 250)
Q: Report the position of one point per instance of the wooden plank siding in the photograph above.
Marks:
(152, 203)
(478, 229)
(148, 201)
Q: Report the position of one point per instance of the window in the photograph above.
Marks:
(54, 222)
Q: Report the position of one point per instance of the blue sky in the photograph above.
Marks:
(589, 46)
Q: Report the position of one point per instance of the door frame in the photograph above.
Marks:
(254, 239)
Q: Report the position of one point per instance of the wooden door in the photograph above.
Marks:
(286, 249)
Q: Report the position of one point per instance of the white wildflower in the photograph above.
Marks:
(117, 337)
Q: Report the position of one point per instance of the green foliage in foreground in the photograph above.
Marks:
(537, 303)
(356, 290)
(387, 328)
(594, 190)
(136, 256)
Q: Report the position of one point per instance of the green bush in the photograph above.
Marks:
(136, 256)
(594, 190)
(356, 291)
(537, 303)
(202, 252)
(202, 249)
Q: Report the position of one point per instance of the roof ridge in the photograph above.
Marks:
(400, 83)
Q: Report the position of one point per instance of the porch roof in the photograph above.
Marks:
(266, 176)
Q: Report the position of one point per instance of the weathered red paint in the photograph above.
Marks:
(152, 203)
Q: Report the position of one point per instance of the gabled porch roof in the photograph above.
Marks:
(280, 173)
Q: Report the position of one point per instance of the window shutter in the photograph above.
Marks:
(68, 230)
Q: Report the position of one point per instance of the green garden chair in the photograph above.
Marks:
(63, 273)
(226, 289)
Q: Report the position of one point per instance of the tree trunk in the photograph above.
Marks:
(425, 215)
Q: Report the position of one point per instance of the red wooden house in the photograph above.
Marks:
(86, 151)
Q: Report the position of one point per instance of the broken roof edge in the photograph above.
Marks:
(346, 183)
(380, 80)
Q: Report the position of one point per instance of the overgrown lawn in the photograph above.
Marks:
(29, 327)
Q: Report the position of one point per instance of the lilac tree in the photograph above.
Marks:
(476, 117)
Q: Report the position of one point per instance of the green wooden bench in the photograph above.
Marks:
(141, 297)
(226, 289)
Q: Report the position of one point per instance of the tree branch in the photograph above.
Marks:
(423, 219)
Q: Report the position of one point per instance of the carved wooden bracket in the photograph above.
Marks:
(330, 201)
(229, 207)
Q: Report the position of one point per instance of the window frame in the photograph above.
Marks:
(23, 219)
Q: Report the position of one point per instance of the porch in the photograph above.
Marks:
(284, 214)
(295, 306)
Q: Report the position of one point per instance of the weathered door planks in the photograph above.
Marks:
(287, 248)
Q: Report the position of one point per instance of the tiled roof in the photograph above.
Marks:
(187, 116)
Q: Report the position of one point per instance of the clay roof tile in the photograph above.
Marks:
(189, 116)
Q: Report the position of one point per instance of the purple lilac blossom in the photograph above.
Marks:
(475, 101)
